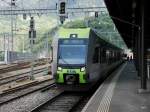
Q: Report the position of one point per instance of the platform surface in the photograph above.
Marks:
(119, 93)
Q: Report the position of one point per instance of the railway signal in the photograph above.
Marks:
(32, 23)
(13, 2)
(32, 31)
(32, 36)
(96, 14)
(62, 9)
(62, 6)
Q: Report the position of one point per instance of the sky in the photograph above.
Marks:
(4, 4)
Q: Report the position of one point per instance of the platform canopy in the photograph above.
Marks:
(127, 16)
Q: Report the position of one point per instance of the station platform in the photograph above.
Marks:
(119, 93)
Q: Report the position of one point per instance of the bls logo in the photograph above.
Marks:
(71, 71)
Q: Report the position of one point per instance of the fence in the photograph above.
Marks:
(9, 56)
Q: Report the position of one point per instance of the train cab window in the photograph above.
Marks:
(96, 55)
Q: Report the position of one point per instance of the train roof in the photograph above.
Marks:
(81, 32)
(105, 42)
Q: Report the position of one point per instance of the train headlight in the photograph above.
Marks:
(59, 69)
(82, 69)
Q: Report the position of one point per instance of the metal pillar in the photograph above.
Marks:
(138, 51)
(136, 54)
(32, 61)
(142, 53)
(143, 75)
(133, 36)
(4, 43)
(32, 41)
(23, 46)
(12, 23)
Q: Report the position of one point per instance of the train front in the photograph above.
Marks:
(71, 63)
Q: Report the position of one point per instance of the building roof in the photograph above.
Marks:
(126, 15)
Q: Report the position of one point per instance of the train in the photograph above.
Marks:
(81, 57)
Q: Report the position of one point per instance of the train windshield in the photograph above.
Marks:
(72, 54)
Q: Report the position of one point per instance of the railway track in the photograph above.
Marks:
(80, 105)
(2, 67)
(20, 65)
(25, 90)
(20, 76)
(64, 102)
(14, 67)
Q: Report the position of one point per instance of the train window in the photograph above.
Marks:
(112, 56)
(103, 55)
(100, 55)
(96, 55)
(108, 56)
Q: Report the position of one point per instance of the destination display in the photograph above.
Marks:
(73, 41)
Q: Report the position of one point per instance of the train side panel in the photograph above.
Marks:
(98, 63)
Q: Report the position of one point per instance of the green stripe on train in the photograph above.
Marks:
(60, 78)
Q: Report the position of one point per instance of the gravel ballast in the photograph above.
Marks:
(27, 103)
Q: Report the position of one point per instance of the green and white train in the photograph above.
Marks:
(81, 58)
